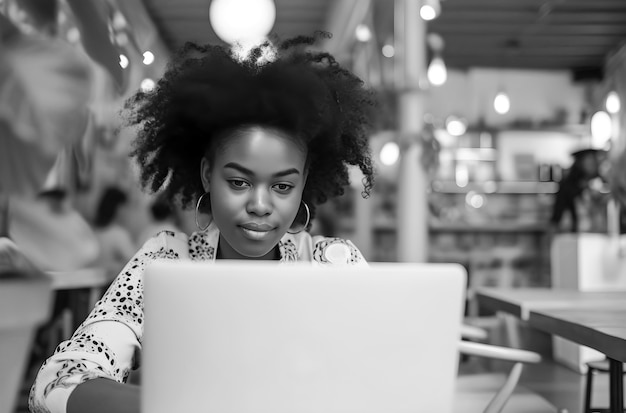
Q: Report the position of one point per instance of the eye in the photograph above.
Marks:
(238, 183)
(283, 188)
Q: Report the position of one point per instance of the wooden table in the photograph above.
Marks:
(602, 329)
(593, 319)
(94, 279)
(521, 301)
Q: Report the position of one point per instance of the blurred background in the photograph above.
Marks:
(490, 112)
(482, 105)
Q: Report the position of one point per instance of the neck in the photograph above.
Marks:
(226, 252)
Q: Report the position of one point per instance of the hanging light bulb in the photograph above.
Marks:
(247, 22)
(437, 72)
(148, 57)
(613, 103)
(388, 50)
(430, 10)
(363, 33)
(502, 103)
(601, 127)
(389, 153)
(73, 35)
(147, 85)
(123, 61)
(456, 126)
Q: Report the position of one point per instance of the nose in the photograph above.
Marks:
(260, 202)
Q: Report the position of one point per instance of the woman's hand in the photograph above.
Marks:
(104, 396)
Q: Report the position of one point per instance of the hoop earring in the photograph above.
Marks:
(197, 212)
(308, 219)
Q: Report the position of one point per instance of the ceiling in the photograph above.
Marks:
(188, 20)
(537, 34)
(577, 35)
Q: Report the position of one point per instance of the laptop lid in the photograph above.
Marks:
(251, 337)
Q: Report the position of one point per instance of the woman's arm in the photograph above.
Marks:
(106, 346)
(104, 396)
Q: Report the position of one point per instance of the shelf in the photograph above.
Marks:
(494, 227)
(497, 187)
(488, 227)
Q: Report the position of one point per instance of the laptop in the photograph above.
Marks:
(257, 337)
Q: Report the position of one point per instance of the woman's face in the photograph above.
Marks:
(255, 183)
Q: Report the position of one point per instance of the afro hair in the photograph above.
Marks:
(207, 90)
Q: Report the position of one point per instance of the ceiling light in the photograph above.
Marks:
(601, 127)
(461, 175)
(613, 103)
(118, 22)
(242, 21)
(148, 57)
(474, 199)
(437, 72)
(430, 10)
(389, 153)
(388, 50)
(456, 126)
(73, 35)
(147, 85)
(435, 42)
(363, 33)
(123, 61)
(502, 103)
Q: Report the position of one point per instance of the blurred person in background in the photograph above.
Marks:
(617, 185)
(50, 231)
(580, 202)
(45, 89)
(45, 93)
(162, 218)
(116, 243)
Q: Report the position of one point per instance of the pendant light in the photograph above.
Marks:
(613, 103)
(246, 22)
(502, 103)
(601, 129)
(437, 72)
(430, 10)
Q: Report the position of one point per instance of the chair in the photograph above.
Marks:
(496, 267)
(594, 367)
(25, 302)
(496, 392)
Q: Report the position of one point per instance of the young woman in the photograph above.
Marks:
(255, 144)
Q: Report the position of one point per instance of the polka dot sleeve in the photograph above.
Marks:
(336, 251)
(105, 344)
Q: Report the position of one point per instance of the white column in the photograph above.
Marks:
(410, 39)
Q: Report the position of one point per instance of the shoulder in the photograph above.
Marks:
(328, 250)
(167, 242)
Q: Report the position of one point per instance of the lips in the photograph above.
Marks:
(256, 232)
(252, 226)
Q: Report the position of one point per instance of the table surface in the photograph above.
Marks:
(521, 301)
(603, 329)
(594, 319)
(80, 278)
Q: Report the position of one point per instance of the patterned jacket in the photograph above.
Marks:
(108, 343)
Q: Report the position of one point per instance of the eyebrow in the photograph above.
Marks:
(247, 171)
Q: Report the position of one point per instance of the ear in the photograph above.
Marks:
(205, 174)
